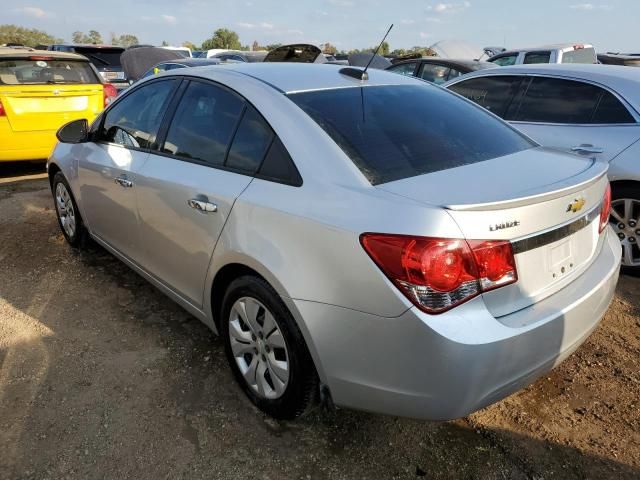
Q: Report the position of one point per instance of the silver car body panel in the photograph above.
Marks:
(305, 242)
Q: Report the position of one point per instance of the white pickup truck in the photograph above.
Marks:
(562, 53)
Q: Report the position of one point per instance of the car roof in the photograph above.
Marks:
(553, 46)
(30, 52)
(624, 80)
(298, 77)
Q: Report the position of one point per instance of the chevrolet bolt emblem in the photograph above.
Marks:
(576, 205)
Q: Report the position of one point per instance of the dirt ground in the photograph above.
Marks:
(101, 376)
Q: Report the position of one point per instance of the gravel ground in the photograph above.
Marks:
(101, 376)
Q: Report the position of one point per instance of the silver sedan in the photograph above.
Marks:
(380, 243)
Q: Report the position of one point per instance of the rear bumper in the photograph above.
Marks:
(447, 366)
(31, 145)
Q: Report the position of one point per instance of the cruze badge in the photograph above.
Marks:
(576, 205)
(502, 226)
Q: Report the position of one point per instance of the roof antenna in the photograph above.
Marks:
(362, 74)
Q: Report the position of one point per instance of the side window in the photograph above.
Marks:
(493, 93)
(552, 100)
(404, 68)
(537, 57)
(174, 66)
(279, 167)
(506, 60)
(134, 121)
(611, 110)
(250, 143)
(453, 73)
(434, 73)
(203, 124)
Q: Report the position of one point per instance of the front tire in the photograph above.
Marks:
(266, 350)
(625, 220)
(67, 212)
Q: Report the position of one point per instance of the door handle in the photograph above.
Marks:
(587, 149)
(202, 206)
(123, 181)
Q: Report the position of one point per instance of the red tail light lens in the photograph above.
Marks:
(606, 208)
(110, 93)
(437, 274)
(2, 112)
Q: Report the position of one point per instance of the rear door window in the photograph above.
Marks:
(553, 100)
(250, 143)
(42, 70)
(404, 68)
(537, 57)
(610, 110)
(203, 124)
(399, 131)
(493, 93)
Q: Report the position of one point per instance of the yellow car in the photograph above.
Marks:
(39, 92)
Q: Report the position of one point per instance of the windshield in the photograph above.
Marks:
(400, 131)
(101, 57)
(42, 72)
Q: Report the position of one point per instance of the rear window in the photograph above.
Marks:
(101, 57)
(581, 55)
(537, 57)
(400, 131)
(43, 72)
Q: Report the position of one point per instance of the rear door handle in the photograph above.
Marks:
(123, 181)
(202, 206)
(587, 149)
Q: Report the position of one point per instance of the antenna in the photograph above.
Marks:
(362, 74)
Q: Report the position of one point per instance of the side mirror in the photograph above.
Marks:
(74, 132)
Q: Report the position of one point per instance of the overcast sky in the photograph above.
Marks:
(609, 25)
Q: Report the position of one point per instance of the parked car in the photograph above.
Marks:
(41, 91)
(180, 63)
(106, 59)
(438, 70)
(561, 53)
(592, 110)
(625, 59)
(238, 56)
(337, 234)
(183, 51)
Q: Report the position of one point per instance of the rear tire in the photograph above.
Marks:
(67, 212)
(266, 350)
(625, 220)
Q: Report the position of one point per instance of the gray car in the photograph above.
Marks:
(381, 243)
(591, 110)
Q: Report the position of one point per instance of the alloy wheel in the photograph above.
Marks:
(66, 212)
(625, 220)
(259, 348)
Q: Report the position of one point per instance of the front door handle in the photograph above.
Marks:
(123, 181)
(585, 148)
(202, 206)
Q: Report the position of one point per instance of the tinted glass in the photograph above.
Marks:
(493, 93)
(395, 132)
(537, 57)
(134, 121)
(505, 61)
(101, 57)
(250, 143)
(278, 166)
(43, 72)
(453, 73)
(551, 100)
(404, 68)
(611, 110)
(203, 124)
(581, 55)
(434, 73)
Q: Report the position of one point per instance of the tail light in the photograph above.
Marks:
(606, 208)
(2, 112)
(437, 274)
(110, 93)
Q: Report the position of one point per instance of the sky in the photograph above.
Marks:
(611, 25)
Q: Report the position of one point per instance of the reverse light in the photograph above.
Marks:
(437, 274)
(605, 210)
(110, 93)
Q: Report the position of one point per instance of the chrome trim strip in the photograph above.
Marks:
(540, 240)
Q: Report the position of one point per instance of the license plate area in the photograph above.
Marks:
(112, 75)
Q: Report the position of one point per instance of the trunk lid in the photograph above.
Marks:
(546, 203)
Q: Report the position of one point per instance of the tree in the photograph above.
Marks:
(125, 40)
(25, 36)
(77, 37)
(94, 37)
(164, 43)
(80, 37)
(190, 46)
(223, 38)
(328, 48)
(272, 46)
(255, 46)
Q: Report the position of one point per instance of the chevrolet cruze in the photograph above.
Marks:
(381, 243)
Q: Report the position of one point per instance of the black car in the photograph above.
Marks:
(106, 58)
(437, 70)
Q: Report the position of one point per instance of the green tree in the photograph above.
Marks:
(190, 45)
(328, 48)
(384, 49)
(25, 36)
(272, 46)
(125, 40)
(94, 37)
(77, 37)
(223, 38)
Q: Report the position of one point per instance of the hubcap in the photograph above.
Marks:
(64, 207)
(625, 216)
(259, 348)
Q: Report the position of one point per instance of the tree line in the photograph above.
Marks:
(221, 38)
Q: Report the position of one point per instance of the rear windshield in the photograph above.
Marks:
(101, 57)
(42, 72)
(400, 131)
(581, 55)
